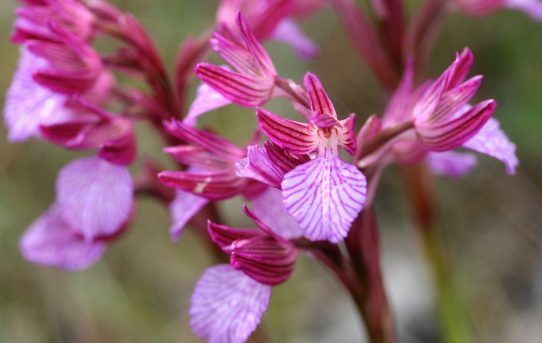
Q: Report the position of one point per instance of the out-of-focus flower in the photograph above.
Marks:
(478, 8)
(35, 16)
(93, 205)
(227, 305)
(52, 241)
(325, 194)
(272, 19)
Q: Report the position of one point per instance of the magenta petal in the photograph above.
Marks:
(196, 156)
(215, 144)
(320, 102)
(182, 209)
(288, 32)
(240, 89)
(291, 135)
(207, 99)
(492, 141)
(451, 134)
(224, 236)
(211, 184)
(283, 159)
(51, 241)
(28, 104)
(227, 305)
(450, 163)
(258, 166)
(269, 207)
(95, 196)
(324, 195)
(264, 259)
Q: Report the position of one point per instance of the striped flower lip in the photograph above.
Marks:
(325, 194)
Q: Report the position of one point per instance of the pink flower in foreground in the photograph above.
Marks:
(325, 194)
(253, 82)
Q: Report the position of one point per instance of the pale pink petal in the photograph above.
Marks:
(227, 305)
(450, 163)
(492, 141)
(95, 196)
(51, 241)
(28, 104)
(288, 32)
(258, 166)
(182, 209)
(207, 99)
(324, 195)
(269, 207)
(533, 8)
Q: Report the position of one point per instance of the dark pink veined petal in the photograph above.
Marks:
(28, 104)
(347, 136)
(236, 55)
(288, 32)
(269, 207)
(460, 67)
(453, 100)
(264, 259)
(254, 47)
(452, 134)
(282, 159)
(324, 195)
(492, 141)
(227, 305)
(211, 184)
(323, 120)
(95, 196)
(207, 99)
(298, 138)
(196, 157)
(52, 241)
(450, 163)
(224, 236)
(182, 209)
(240, 89)
(319, 99)
(258, 166)
(215, 144)
(428, 101)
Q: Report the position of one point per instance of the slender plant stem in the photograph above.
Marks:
(454, 324)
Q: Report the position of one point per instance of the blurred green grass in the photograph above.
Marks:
(140, 291)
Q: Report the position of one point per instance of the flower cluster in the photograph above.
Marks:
(308, 182)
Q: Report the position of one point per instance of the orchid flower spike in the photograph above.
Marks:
(325, 194)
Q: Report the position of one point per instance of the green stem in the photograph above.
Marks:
(453, 320)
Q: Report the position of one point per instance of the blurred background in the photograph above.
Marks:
(140, 290)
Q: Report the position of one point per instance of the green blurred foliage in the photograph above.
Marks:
(140, 291)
